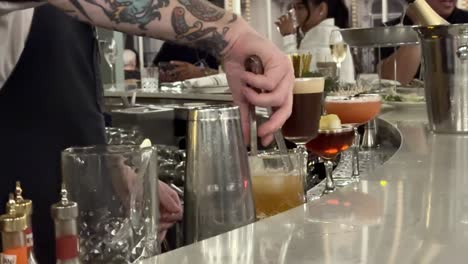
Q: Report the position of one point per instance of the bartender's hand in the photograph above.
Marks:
(170, 209)
(285, 24)
(184, 70)
(277, 81)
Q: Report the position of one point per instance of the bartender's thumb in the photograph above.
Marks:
(168, 198)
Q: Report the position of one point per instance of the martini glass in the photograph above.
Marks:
(327, 145)
(303, 124)
(356, 111)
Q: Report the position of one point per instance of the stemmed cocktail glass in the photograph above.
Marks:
(303, 123)
(327, 145)
(354, 110)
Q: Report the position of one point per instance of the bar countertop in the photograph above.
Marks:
(171, 95)
(412, 209)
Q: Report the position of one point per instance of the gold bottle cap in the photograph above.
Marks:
(12, 221)
(23, 206)
(65, 209)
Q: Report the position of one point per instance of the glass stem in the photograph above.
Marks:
(355, 157)
(338, 71)
(329, 183)
(112, 76)
(301, 149)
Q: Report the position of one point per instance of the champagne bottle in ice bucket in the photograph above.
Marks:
(426, 16)
(445, 63)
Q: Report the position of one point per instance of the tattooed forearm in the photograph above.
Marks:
(138, 12)
(194, 22)
(233, 19)
(208, 38)
(202, 11)
(80, 8)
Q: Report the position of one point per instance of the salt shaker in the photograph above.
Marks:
(65, 215)
(25, 206)
(12, 226)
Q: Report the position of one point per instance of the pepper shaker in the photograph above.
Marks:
(65, 215)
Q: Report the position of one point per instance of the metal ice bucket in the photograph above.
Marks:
(445, 56)
(218, 191)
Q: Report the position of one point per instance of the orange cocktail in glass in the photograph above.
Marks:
(354, 109)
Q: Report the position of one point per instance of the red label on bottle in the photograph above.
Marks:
(66, 247)
(29, 237)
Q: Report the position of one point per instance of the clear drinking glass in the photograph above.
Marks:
(116, 191)
(275, 188)
(338, 49)
(109, 50)
(149, 79)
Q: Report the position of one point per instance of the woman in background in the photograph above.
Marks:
(316, 19)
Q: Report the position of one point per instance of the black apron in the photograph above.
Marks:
(50, 102)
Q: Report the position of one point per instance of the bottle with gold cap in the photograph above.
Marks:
(65, 214)
(12, 226)
(425, 15)
(25, 206)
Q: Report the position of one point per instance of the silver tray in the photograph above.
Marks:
(380, 36)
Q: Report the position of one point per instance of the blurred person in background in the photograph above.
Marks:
(408, 58)
(316, 19)
(130, 65)
(184, 62)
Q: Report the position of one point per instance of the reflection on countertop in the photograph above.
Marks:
(413, 209)
(187, 94)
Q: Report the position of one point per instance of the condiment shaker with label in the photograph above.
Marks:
(25, 206)
(12, 227)
(65, 215)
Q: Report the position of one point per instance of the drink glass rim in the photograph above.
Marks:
(355, 99)
(103, 150)
(344, 128)
(273, 153)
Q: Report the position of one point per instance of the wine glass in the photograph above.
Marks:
(338, 49)
(327, 145)
(109, 50)
(355, 111)
(303, 123)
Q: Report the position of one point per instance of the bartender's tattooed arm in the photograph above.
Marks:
(139, 12)
(195, 22)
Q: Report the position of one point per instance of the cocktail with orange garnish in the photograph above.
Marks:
(332, 139)
(355, 110)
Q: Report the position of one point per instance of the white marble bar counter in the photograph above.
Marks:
(412, 209)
